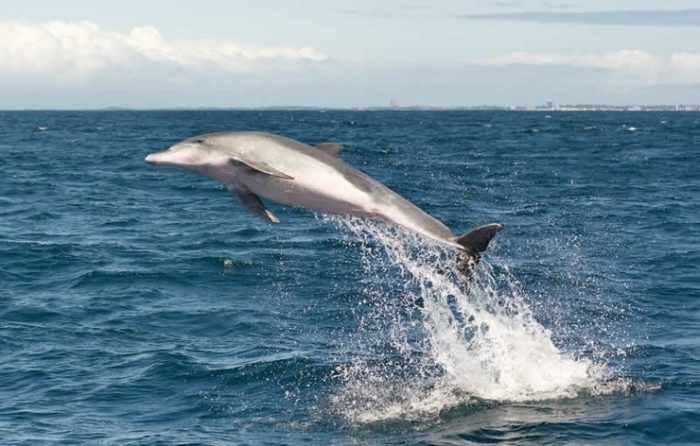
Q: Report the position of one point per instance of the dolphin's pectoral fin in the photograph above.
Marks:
(260, 168)
(331, 148)
(253, 203)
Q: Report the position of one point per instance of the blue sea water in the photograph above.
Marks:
(143, 306)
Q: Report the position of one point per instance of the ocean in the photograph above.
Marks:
(142, 305)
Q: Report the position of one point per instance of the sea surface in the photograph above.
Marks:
(142, 305)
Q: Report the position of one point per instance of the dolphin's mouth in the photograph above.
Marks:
(152, 158)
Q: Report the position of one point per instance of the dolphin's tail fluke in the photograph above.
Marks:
(474, 243)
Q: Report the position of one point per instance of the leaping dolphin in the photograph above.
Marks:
(254, 165)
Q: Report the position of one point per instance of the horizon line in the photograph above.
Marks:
(486, 107)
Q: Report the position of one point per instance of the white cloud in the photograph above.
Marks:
(80, 51)
(635, 66)
(634, 17)
(686, 66)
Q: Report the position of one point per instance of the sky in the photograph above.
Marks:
(77, 54)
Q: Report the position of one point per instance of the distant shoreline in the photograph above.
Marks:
(525, 108)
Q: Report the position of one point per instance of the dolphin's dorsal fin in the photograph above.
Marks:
(260, 167)
(331, 148)
(253, 203)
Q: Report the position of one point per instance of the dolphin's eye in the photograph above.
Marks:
(199, 141)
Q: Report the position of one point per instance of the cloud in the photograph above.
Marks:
(686, 66)
(635, 66)
(79, 51)
(615, 60)
(649, 17)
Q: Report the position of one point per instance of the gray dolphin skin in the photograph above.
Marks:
(255, 165)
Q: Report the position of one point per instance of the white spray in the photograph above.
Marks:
(443, 343)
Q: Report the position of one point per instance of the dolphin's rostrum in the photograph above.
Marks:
(254, 165)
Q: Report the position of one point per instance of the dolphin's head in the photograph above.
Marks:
(195, 154)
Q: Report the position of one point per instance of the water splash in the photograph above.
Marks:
(432, 342)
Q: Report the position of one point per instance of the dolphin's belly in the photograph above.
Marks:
(332, 193)
(330, 186)
(326, 192)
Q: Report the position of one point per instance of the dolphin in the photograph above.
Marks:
(255, 165)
